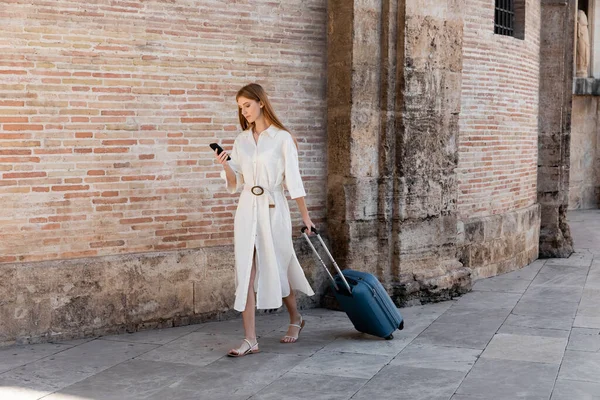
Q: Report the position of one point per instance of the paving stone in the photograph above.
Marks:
(19, 390)
(154, 336)
(502, 284)
(590, 301)
(584, 339)
(533, 321)
(526, 331)
(196, 348)
(490, 319)
(509, 380)
(406, 383)
(526, 273)
(367, 344)
(299, 386)
(231, 378)
(303, 347)
(437, 357)
(556, 275)
(456, 335)
(351, 365)
(417, 318)
(73, 365)
(583, 321)
(577, 259)
(593, 279)
(17, 356)
(575, 390)
(554, 294)
(489, 300)
(541, 308)
(581, 366)
(74, 342)
(131, 380)
(526, 348)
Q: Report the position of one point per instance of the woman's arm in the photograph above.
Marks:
(304, 212)
(231, 170)
(229, 173)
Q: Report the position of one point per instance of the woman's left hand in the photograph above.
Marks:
(309, 224)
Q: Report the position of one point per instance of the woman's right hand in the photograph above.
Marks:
(221, 158)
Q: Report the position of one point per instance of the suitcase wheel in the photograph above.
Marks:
(401, 326)
(389, 337)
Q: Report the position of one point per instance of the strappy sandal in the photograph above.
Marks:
(252, 349)
(295, 338)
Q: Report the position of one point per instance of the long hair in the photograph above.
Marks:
(254, 91)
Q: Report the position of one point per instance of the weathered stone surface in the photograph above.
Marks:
(556, 65)
(501, 243)
(88, 297)
(586, 86)
(392, 212)
(584, 182)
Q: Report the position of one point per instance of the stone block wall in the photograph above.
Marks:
(106, 112)
(555, 112)
(65, 299)
(584, 178)
(501, 243)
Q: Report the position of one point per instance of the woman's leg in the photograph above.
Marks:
(248, 315)
(295, 318)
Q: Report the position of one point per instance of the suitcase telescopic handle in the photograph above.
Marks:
(303, 230)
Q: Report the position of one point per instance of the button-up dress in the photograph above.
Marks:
(263, 222)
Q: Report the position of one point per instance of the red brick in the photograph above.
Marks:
(119, 142)
(108, 243)
(196, 120)
(13, 120)
(129, 221)
(138, 178)
(19, 160)
(63, 188)
(22, 127)
(15, 152)
(18, 175)
(111, 150)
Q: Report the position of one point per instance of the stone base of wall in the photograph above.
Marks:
(60, 300)
(501, 243)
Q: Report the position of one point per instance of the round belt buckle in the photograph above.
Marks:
(257, 190)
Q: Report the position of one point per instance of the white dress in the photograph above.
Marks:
(263, 222)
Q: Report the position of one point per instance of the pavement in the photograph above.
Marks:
(529, 334)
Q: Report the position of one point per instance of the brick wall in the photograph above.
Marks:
(497, 165)
(107, 109)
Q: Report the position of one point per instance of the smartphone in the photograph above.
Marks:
(218, 148)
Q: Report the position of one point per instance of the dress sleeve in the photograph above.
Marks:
(293, 180)
(235, 166)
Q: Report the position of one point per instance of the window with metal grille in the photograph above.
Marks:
(509, 18)
(504, 19)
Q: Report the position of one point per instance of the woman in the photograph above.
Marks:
(264, 157)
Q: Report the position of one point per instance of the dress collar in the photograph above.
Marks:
(271, 131)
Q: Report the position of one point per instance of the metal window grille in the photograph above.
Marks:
(504, 18)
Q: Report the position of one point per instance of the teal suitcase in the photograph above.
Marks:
(363, 298)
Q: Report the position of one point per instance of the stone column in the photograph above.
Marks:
(394, 78)
(556, 96)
